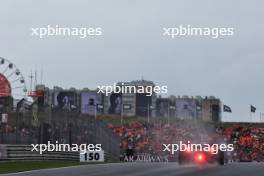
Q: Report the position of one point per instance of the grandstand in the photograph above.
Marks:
(136, 133)
(73, 116)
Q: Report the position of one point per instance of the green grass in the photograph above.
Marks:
(11, 167)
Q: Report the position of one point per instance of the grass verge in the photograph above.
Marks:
(20, 166)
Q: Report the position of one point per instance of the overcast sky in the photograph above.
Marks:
(132, 46)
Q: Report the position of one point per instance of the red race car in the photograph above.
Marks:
(201, 157)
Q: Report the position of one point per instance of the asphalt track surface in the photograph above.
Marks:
(151, 169)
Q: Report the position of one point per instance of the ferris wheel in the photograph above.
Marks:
(12, 82)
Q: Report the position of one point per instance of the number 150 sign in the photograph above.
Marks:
(95, 156)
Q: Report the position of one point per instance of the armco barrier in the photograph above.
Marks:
(24, 153)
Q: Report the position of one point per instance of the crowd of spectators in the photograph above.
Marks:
(11, 135)
(148, 138)
(144, 137)
(248, 142)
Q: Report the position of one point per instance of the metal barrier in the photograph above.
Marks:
(24, 153)
(110, 142)
(64, 127)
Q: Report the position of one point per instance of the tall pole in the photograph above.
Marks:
(122, 114)
(95, 111)
(41, 76)
(148, 113)
(50, 114)
(250, 116)
(69, 127)
(168, 113)
(17, 116)
(41, 131)
(31, 77)
(19, 104)
(50, 120)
